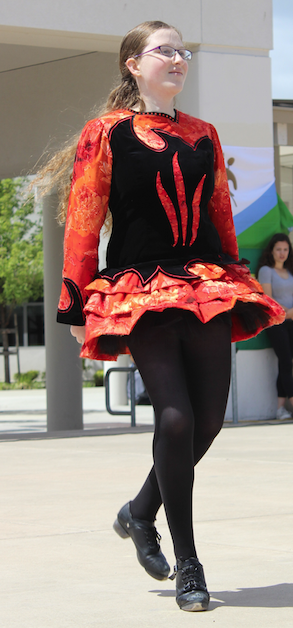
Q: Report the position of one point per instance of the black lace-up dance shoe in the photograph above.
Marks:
(146, 540)
(191, 588)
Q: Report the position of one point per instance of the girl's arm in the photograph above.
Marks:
(88, 204)
(219, 206)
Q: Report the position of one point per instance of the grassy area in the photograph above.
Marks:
(22, 385)
(29, 381)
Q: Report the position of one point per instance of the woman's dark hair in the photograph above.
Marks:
(267, 259)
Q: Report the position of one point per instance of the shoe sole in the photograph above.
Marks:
(199, 604)
(195, 606)
(283, 418)
(156, 576)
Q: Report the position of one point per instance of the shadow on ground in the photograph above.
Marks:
(275, 596)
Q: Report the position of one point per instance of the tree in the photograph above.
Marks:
(21, 253)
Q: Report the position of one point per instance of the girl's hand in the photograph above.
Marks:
(78, 332)
(289, 313)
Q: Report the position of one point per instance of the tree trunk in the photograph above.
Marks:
(6, 357)
(5, 346)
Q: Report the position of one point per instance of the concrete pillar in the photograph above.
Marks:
(63, 365)
(223, 87)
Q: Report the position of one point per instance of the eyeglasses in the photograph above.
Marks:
(170, 52)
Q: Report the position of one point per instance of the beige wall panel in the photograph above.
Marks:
(40, 37)
(290, 134)
(189, 100)
(105, 17)
(42, 103)
(234, 93)
(16, 56)
(245, 23)
(283, 115)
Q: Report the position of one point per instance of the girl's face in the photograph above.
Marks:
(159, 76)
(280, 252)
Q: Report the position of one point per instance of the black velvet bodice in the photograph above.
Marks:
(143, 228)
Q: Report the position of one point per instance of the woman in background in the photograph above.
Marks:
(276, 277)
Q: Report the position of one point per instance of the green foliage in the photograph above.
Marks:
(26, 378)
(99, 378)
(21, 247)
(21, 385)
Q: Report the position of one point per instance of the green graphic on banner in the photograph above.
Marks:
(277, 220)
(251, 243)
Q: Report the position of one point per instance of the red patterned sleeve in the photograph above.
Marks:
(88, 204)
(219, 206)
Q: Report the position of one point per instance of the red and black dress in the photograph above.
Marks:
(173, 242)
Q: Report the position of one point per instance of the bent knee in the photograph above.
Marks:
(209, 429)
(174, 424)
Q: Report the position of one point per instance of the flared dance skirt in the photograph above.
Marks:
(114, 307)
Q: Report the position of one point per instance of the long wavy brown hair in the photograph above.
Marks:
(267, 258)
(57, 172)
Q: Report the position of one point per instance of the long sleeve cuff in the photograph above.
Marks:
(73, 314)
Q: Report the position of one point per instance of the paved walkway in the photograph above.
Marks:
(62, 565)
(23, 415)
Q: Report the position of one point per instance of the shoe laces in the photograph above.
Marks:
(192, 577)
(153, 538)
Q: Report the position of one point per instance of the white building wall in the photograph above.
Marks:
(30, 359)
(224, 87)
(230, 85)
(229, 22)
(256, 385)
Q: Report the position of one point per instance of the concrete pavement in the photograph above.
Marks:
(62, 565)
(23, 415)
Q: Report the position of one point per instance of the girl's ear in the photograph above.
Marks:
(133, 66)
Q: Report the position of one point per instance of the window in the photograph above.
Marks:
(30, 322)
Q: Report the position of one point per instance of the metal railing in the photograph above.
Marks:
(122, 369)
(131, 370)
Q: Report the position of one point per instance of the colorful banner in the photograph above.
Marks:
(251, 179)
(258, 211)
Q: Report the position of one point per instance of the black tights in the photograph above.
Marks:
(281, 337)
(185, 366)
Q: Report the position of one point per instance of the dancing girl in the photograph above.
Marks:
(173, 293)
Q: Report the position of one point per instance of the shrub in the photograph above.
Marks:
(26, 378)
(99, 378)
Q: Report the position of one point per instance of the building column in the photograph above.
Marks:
(63, 365)
(223, 87)
(230, 87)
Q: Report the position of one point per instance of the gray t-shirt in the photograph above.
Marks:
(282, 289)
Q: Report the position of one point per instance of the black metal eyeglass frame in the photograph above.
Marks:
(184, 53)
